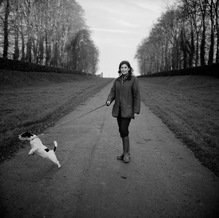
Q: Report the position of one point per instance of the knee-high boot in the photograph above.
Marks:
(126, 145)
(123, 147)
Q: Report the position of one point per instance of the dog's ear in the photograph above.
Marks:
(27, 134)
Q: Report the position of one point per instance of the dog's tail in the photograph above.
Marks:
(55, 146)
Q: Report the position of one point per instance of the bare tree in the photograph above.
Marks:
(82, 53)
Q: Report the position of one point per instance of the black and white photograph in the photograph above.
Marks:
(109, 108)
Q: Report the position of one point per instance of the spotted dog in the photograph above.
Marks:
(38, 147)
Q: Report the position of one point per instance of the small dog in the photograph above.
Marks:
(38, 147)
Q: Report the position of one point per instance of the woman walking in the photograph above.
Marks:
(125, 92)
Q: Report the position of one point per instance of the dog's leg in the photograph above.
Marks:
(55, 146)
(53, 158)
(31, 152)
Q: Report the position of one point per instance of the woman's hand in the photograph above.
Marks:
(135, 115)
(108, 103)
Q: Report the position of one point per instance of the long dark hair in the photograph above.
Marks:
(130, 69)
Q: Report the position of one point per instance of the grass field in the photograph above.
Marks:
(35, 101)
(189, 106)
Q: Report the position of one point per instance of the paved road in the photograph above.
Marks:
(163, 179)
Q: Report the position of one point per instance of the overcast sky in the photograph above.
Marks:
(118, 26)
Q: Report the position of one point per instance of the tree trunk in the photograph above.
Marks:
(192, 48)
(28, 52)
(217, 28)
(6, 44)
(16, 32)
(41, 50)
(203, 40)
(184, 49)
(22, 47)
(211, 50)
(217, 49)
(16, 47)
(202, 48)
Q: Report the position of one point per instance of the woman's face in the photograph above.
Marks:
(124, 69)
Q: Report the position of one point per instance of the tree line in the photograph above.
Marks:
(186, 35)
(47, 32)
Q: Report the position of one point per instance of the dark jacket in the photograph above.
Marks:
(127, 96)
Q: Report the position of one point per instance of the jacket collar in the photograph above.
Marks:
(123, 78)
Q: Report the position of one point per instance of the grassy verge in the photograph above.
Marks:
(35, 101)
(189, 106)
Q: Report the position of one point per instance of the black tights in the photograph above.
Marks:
(123, 124)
